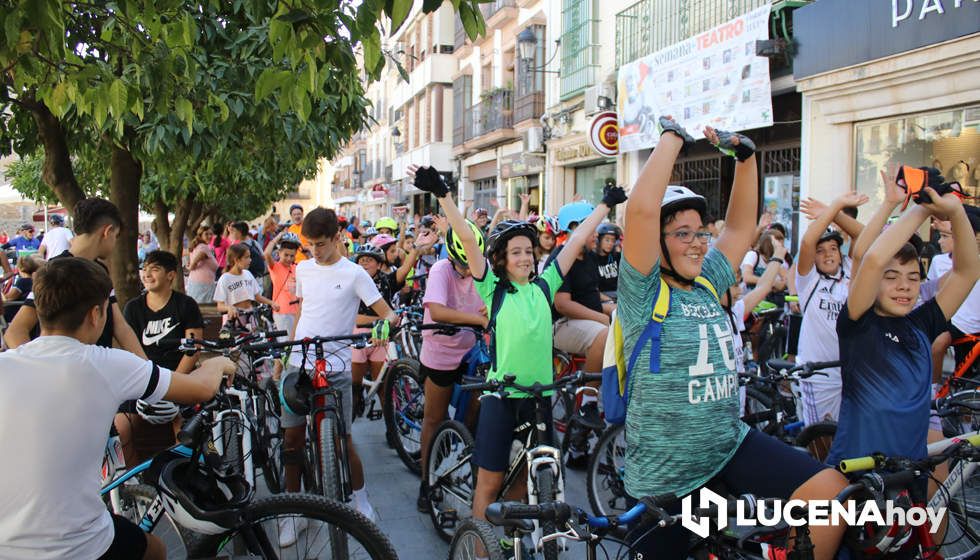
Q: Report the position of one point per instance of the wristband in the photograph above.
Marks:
(777, 259)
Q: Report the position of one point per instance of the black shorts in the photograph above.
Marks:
(495, 430)
(763, 466)
(443, 378)
(128, 543)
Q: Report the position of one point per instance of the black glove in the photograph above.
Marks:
(915, 186)
(613, 195)
(429, 180)
(742, 151)
(667, 124)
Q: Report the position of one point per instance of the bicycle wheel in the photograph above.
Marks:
(135, 500)
(451, 476)
(960, 496)
(312, 519)
(232, 431)
(604, 479)
(404, 404)
(547, 493)
(267, 444)
(330, 480)
(475, 538)
(817, 439)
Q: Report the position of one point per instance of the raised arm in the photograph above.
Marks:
(641, 236)
(270, 246)
(893, 197)
(966, 264)
(525, 206)
(429, 180)
(611, 196)
(766, 281)
(424, 242)
(743, 204)
(866, 281)
(808, 245)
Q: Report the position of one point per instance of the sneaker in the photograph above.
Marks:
(289, 530)
(366, 510)
(422, 504)
(590, 418)
(577, 461)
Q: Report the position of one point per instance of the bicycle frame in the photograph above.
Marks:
(155, 510)
(964, 367)
(218, 434)
(320, 408)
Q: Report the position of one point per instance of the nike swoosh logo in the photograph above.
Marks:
(150, 341)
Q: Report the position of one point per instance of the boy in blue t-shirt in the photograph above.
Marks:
(884, 343)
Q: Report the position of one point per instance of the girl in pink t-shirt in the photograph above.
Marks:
(220, 244)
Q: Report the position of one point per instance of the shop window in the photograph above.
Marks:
(589, 181)
(484, 190)
(948, 140)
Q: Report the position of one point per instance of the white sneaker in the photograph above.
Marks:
(289, 530)
(366, 509)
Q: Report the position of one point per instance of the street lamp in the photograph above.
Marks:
(527, 44)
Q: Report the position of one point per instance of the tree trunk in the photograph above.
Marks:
(171, 235)
(195, 218)
(124, 186)
(57, 171)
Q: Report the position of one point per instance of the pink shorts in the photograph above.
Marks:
(369, 354)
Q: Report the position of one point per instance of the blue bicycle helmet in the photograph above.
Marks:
(573, 213)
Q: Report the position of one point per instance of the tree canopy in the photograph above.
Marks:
(197, 108)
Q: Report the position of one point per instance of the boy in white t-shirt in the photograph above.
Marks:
(823, 276)
(57, 239)
(329, 288)
(58, 395)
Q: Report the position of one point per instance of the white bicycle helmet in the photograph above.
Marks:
(678, 198)
(161, 412)
(201, 501)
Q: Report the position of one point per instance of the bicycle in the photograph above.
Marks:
(180, 477)
(969, 368)
(404, 403)
(574, 524)
(452, 476)
(898, 478)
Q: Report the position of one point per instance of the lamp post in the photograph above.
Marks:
(527, 44)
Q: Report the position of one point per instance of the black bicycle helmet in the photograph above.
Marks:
(507, 229)
(294, 393)
(832, 235)
(202, 500)
(608, 229)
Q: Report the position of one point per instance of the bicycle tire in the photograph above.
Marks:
(547, 493)
(817, 438)
(604, 473)
(232, 430)
(340, 517)
(449, 478)
(472, 534)
(267, 445)
(330, 479)
(403, 407)
(962, 539)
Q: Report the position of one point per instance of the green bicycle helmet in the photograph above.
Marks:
(386, 223)
(455, 247)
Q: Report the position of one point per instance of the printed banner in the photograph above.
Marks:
(711, 79)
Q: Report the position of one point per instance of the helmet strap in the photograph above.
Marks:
(669, 272)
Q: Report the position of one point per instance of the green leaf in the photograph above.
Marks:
(372, 49)
(295, 16)
(399, 11)
(470, 23)
(310, 73)
(57, 101)
(118, 98)
(187, 30)
(137, 106)
(185, 112)
(431, 5)
(265, 84)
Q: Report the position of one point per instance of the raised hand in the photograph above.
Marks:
(894, 194)
(733, 144)
(428, 179)
(852, 199)
(943, 207)
(812, 208)
(613, 195)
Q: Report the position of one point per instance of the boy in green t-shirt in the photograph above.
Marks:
(523, 332)
(682, 425)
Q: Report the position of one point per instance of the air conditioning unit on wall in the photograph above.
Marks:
(533, 139)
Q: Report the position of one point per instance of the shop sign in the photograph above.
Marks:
(836, 34)
(711, 79)
(521, 164)
(379, 191)
(604, 134)
(577, 151)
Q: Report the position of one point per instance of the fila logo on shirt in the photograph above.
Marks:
(892, 338)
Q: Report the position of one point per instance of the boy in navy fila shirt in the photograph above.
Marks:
(885, 344)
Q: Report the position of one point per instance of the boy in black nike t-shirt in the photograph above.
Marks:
(160, 317)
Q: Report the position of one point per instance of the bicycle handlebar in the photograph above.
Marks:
(451, 329)
(509, 382)
(875, 461)
(787, 368)
(310, 341)
(190, 345)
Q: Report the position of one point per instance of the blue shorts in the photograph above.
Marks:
(495, 430)
(763, 466)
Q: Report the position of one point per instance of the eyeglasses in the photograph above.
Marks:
(687, 236)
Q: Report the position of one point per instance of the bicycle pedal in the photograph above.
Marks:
(448, 519)
(374, 414)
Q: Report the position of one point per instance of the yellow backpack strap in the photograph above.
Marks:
(704, 282)
(662, 306)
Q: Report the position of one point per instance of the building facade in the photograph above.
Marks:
(888, 84)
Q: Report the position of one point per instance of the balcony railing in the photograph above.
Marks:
(530, 106)
(460, 35)
(491, 8)
(495, 112)
(650, 25)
